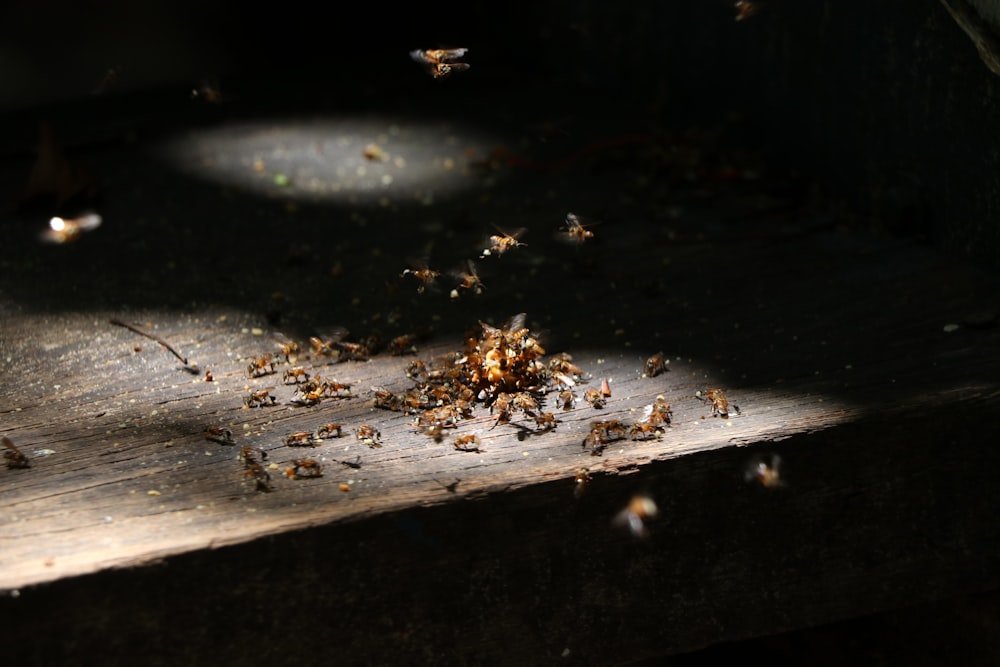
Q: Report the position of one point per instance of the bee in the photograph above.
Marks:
(440, 62)
(416, 370)
(304, 469)
(602, 433)
(326, 344)
(502, 404)
(720, 404)
(258, 476)
(13, 456)
(250, 455)
(575, 232)
(659, 413)
(469, 278)
(369, 435)
(352, 351)
(526, 402)
(764, 470)
(331, 430)
(261, 366)
(308, 398)
(467, 443)
(294, 375)
(545, 421)
(655, 365)
(567, 399)
(223, 436)
(581, 480)
(300, 439)
(644, 431)
(258, 399)
(745, 9)
(424, 275)
(639, 511)
(596, 398)
(287, 348)
(502, 242)
(335, 389)
(401, 345)
(67, 230)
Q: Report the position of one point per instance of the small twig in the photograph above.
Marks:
(159, 340)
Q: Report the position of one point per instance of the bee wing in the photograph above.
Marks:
(331, 334)
(516, 323)
(447, 55)
(421, 56)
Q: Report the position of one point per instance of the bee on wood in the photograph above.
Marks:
(425, 276)
(401, 345)
(294, 375)
(644, 431)
(639, 511)
(575, 232)
(764, 470)
(567, 399)
(256, 475)
(659, 413)
(502, 242)
(369, 435)
(261, 398)
(416, 370)
(331, 430)
(335, 389)
(223, 436)
(289, 349)
(249, 454)
(545, 421)
(720, 404)
(67, 230)
(655, 365)
(304, 469)
(502, 405)
(261, 366)
(308, 398)
(467, 443)
(14, 457)
(602, 433)
(581, 480)
(525, 402)
(596, 398)
(347, 351)
(440, 62)
(469, 279)
(300, 439)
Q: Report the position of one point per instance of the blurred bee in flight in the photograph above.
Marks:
(440, 62)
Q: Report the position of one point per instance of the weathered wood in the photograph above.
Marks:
(836, 345)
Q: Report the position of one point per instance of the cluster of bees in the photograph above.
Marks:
(502, 368)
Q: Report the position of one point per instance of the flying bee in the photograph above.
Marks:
(745, 9)
(13, 456)
(369, 435)
(326, 343)
(294, 375)
(467, 443)
(582, 479)
(258, 399)
(304, 469)
(300, 439)
(469, 279)
(639, 511)
(720, 404)
(655, 365)
(261, 366)
(440, 62)
(424, 275)
(502, 242)
(331, 430)
(764, 470)
(574, 231)
(67, 230)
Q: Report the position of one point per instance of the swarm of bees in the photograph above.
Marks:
(440, 62)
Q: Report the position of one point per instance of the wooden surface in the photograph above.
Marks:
(836, 346)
